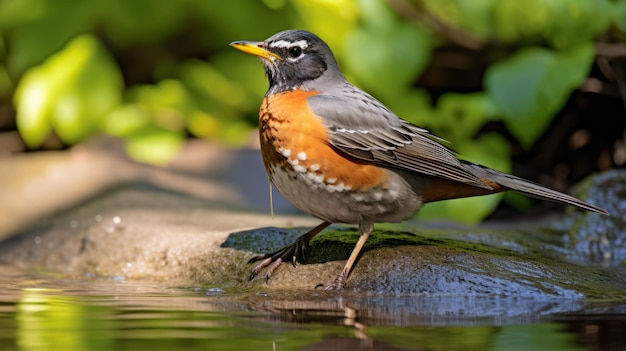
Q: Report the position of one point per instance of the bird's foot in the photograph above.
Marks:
(338, 283)
(294, 253)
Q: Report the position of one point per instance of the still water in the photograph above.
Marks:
(44, 312)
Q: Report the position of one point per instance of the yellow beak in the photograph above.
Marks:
(255, 48)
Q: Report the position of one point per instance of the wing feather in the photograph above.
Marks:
(363, 128)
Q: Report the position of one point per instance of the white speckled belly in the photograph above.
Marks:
(338, 203)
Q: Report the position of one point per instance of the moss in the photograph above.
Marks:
(531, 273)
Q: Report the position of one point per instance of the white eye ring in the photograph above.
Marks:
(295, 51)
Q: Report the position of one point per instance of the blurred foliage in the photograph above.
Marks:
(154, 73)
(543, 80)
(72, 91)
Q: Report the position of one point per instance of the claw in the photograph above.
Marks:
(274, 259)
(294, 253)
(255, 271)
(337, 284)
(256, 258)
(271, 269)
(294, 260)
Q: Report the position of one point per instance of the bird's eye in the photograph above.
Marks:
(295, 51)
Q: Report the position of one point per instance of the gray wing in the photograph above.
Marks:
(362, 127)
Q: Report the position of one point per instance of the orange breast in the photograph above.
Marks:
(293, 136)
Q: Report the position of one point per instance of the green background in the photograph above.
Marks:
(156, 73)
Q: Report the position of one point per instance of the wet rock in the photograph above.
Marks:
(579, 237)
(594, 239)
(405, 263)
(141, 230)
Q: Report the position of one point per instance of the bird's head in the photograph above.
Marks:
(294, 59)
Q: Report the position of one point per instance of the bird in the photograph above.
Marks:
(340, 155)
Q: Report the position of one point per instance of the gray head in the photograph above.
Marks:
(295, 59)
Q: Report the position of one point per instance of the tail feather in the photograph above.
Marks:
(527, 187)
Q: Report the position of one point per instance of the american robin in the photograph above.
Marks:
(340, 155)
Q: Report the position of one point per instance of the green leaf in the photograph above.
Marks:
(563, 23)
(514, 20)
(330, 20)
(72, 91)
(574, 21)
(141, 21)
(125, 120)
(387, 59)
(155, 145)
(618, 12)
(532, 85)
(32, 102)
(516, 200)
(211, 83)
(167, 103)
(244, 77)
(16, 12)
(385, 54)
(376, 14)
(411, 104)
(219, 22)
(460, 116)
(475, 16)
(44, 29)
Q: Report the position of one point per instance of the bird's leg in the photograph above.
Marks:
(365, 229)
(294, 253)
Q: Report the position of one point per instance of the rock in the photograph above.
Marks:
(152, 227)
(139, 231)
(405, 263)
(595, 239)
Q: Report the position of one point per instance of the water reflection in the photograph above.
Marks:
(46, 320)
(51, 314)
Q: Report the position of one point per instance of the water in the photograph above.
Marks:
(44, 312)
